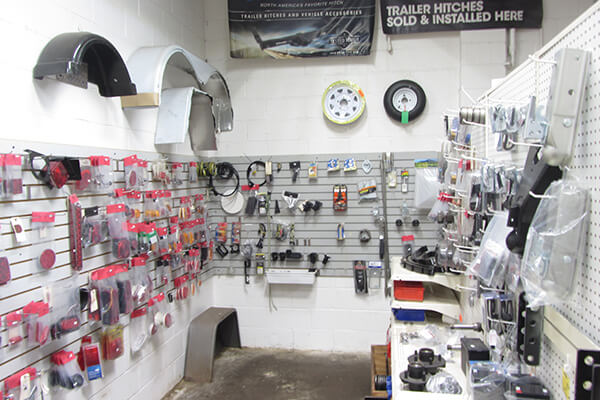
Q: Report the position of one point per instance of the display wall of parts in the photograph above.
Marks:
(343, 102)
(78, 57)
(307, 203)
(538, 124)
(197, 101)
(40, 260)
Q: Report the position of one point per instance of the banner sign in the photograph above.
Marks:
(296, 29)
(410, 16)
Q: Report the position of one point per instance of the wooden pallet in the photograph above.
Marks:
(379, 366)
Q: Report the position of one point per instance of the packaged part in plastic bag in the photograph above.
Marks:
(65, 373)
(486, 380)
(555, 243)
(491, 260)
(443, 382)
(42, 224)
(427, 185)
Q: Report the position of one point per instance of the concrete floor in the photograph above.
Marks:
(268, 374)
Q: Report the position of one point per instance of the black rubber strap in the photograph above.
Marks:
(249, 172)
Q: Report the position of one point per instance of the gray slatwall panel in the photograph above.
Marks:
(321, 227)
(426, 233)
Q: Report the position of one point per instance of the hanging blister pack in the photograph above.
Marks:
(151, 205)
(333, 165)
(163, 271)
(340, 198)
(104, 297)
(350, 165)
(23, 385)
(42, 225)
(165, 203)
(85, 184)
(141, 283)
(90, 359)
(175, 245)
(37, 322)
(142, 173)
(135, 208)
(360, 277)
(130, 165)
(313, 170)
(193, 172)
(117, 229)
(112, 342)
(160, 173)
(12, 174)
(94, 227)
(161, 315)
(124, 287)
(64, 373)
(427, 186)
(163, 240)
(367, 190)
(14, 328)
(177, 175)
(102, 174)
(65, 302)
(5, 275)
(140, 328)
(404, 180)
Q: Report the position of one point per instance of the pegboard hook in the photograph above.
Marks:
(540, 61)
(524, 144)
(539, 196)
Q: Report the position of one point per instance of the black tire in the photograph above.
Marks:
(392, 111)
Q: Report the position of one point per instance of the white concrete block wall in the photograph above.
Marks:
(277, 109)
(49, 111)
(328, 316)
(277, 103)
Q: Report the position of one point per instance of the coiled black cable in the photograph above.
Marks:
(225, 171)
(249, 172)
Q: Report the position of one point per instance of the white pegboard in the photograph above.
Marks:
(553, 377)
(533, 78)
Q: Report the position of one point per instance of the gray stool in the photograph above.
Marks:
(215, 323)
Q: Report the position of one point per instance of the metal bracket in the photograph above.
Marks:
(564, 104)
(587, 376)
(536, 126)
(529, 332)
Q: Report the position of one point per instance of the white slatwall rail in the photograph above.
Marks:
(28, 279)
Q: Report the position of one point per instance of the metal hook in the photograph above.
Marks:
(509, 140)
(539, 196)
(539, 60)
(483, 160)
(460, 144)
(495, 212)
(465, 122)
